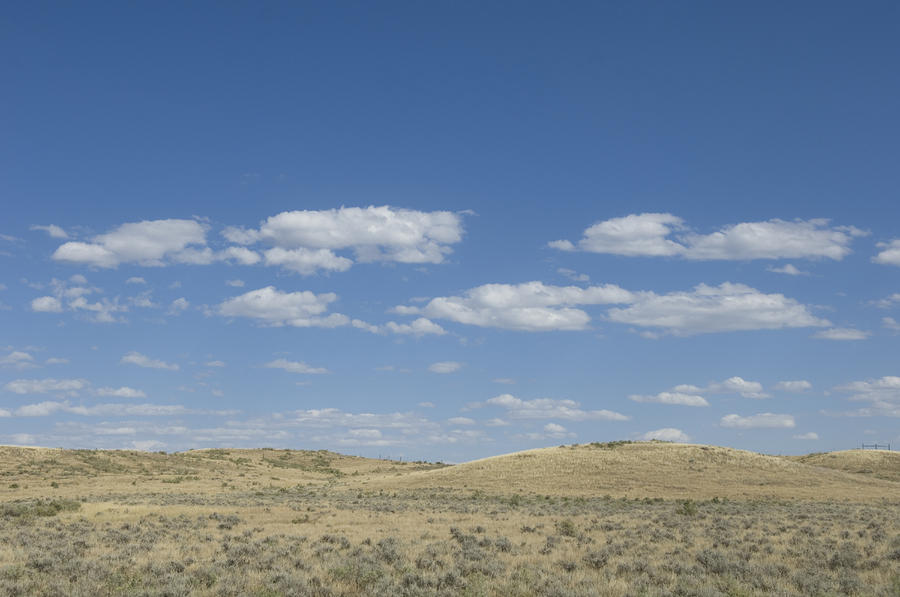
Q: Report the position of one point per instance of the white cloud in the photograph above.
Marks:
(461, 421)
(738, 385)
(548, 408)
(759, 421)
(53, 230)
(707, 309)
(890, 255)
(883, 395)
(215, 364)
(307, 261)
(43, 409)
(123, 392)
(306, 241)
(497, 422)
(504, 380)
(273, 307)
(888, 302)
(5, 413)
(419, 327)
(649, 234)
(46, 304)
(445, 367)
(530, 306)
(890, 323)
(17, 360)
(295, 367)
(667, 434)
(794, 386)
(135, 280)
(136, 358)
(148, 243)
(46, 386)
(842, 334)
(671, 398)
(56, 361)
(241, 255)
(235, 283)
(427, 404)
(573, 275)
(179, 306)
(787, 269)
(810, 435)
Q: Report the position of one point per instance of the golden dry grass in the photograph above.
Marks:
(650, 469)
(697, 520)
(880, 464)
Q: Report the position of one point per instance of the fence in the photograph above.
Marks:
(876, 446)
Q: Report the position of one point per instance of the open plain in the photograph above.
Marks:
(614, 519)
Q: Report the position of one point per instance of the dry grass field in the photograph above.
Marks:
(611, 519)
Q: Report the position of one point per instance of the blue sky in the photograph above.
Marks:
(447, 231)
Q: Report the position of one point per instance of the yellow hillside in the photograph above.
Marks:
(648, 470)
(880, 464)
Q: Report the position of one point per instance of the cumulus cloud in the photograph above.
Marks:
(842, 334)
(890, 323)
(445, 367)
(46, 304)
(461, 421)
(737, 385)
(652, 234)
(123, 392)
(419, 327)
(794, 386)
(788, 270)
(295, 367)
(136, 280)
(306, 241)
(46, 386)
(530, 306)
(890, 254)
(136, 358)
(53, 230)
(667, 434)
(707, 309)
(888, 302)
(882, 394)
(671, 398)
(759, 421)
(17, 360)
(808, 436)
(271, 306)
(548, 408)
(149, 243)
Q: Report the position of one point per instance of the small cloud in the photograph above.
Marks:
(676, 398)
(810, 435)
(123, 392)
(295, 367)
(497, 422)
(56, 361)
(135, 280)
(179, 306)
(235, 283)
(573, 275)
(842, 334)
(504, 380)
(17, 360)
(53, 230)
(793, 386)
(136, 358)
(890, 323)
(787, 269)
(445, 367)
(667, 434)
(888, 302)
(461, 421)
(46, 304)
(215, 364)
(217, 392)
(759, 421)
(427, 404)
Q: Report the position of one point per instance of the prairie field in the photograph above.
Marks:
(610, 519)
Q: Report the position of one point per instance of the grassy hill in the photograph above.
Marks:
(650, 470)
(879, 464)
